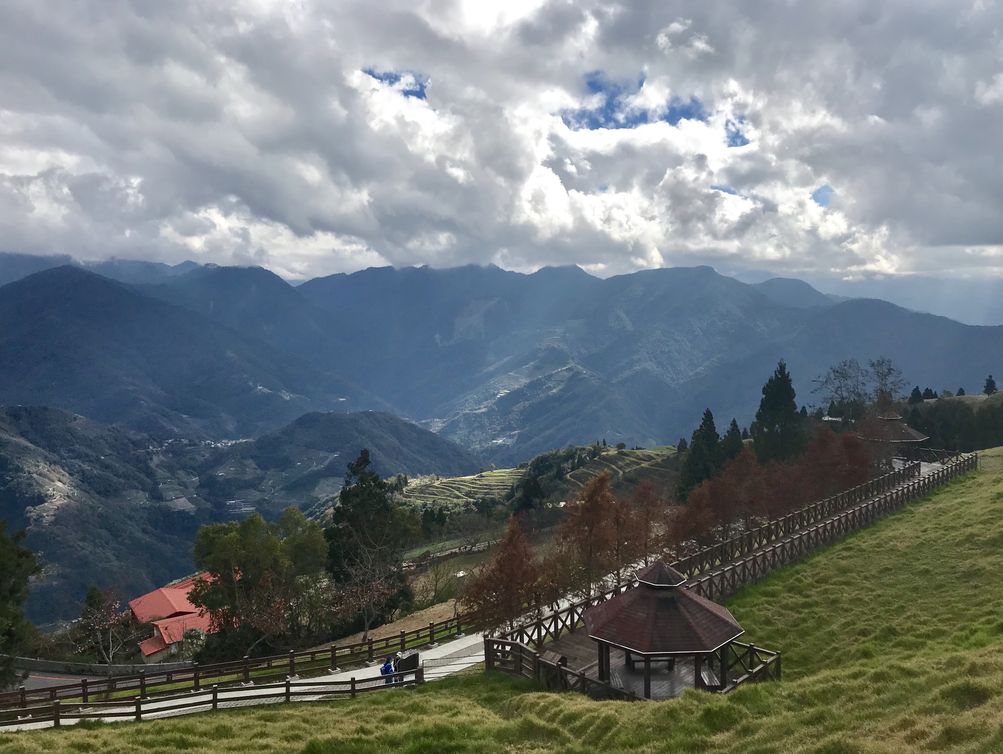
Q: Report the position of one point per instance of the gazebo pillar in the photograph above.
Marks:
(723, 676)
(647, 677)
(697, 671)
(603, 653)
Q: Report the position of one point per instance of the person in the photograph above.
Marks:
(387, 669)
(397, 663)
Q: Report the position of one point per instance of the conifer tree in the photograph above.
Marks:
(17, 565)
(778, 431)
(703, 457)
(961, 391)
(731, 443)
(990, 386)
(500, 592)
(915, 396)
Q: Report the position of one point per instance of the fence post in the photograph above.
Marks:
(139, 709)
(247, 670)
(353, 687)
(536, 666)
(196, 677)
(292, 663)
(403, 641)
(215, 697)
(459, 630)
(142, 683)
(431, 634)
(55, 714)
(84, 692)
(289, 690)
(419, 675)
(334, 658)
(489, 658)
(369, 649)
(24, 697)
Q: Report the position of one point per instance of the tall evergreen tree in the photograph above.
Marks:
(961, 391)
(915, 396)
(731, 443)
(990, 386)
(703, 456)
(17, 564)
(778, 431)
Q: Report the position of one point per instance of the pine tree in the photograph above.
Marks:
(682, 445)
(961, 391)
(500, 592)
(778, 431)
(929, 394)
(990, 386)
(703, 459)
(17, 565)
(731, 443)
(915, 396)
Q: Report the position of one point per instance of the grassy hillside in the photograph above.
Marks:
(461, 491)
(891, 643)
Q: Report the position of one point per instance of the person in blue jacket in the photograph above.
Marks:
(387, 669)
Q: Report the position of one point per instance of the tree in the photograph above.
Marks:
(702, 460)
(104, 626)
(844, 386)
(915, 396)
(263, 580)
(500, 592)
(366, 542)
(587, 533)
(17, 565)
(778, 431)
(887, 380)
(961, 391)
(731, 443)
(990, 387)
(649, 509)
(929, 394)
(682, 445)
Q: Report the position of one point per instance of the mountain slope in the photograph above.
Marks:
(79, 341)
(117, 508)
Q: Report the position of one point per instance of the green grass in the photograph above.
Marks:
(892, 642)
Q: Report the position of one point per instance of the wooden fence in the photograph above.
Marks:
(727, 579)
(244, 671)
(515, 658)
(59, 712)
(754, 555)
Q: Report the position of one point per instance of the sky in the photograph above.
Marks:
(848, 140)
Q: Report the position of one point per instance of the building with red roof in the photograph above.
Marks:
(171, 614)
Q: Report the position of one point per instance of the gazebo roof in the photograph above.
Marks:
(660, 616)
(890, 429)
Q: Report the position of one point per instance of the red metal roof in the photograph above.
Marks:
(660, 617)
(164, 602)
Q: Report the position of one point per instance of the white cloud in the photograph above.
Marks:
(246, 131)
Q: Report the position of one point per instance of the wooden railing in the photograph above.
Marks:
(245, 671)
(731, 549)
(748, 663)
(58, 712)
(724, 581)
(514, 658)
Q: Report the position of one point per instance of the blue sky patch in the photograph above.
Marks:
(415, 86)
(724, 188)
(823, 195)
(733, 130)
(614, 110)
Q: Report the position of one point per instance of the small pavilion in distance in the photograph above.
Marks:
(655, 640)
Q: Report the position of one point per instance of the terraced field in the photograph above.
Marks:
(628, 468)
(460, 491)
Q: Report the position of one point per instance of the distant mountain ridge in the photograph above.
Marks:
(118, 508)
(506, 364)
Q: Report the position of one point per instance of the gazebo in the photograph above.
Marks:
(889, 435)
(661, 620)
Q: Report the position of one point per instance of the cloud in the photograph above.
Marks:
(324, 135)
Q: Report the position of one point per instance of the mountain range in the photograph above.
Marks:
(505, 364)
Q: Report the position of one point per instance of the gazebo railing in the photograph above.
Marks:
(748, 663)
